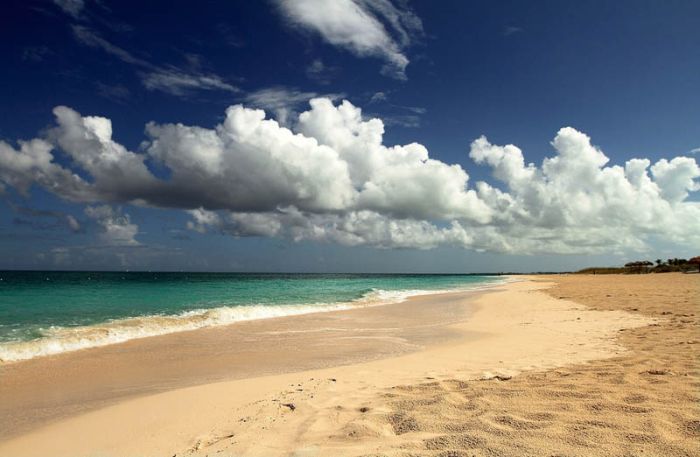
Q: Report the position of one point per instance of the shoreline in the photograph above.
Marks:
(97, 377)
(122, 330)
(512, 329)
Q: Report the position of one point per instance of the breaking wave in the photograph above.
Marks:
(55, 340)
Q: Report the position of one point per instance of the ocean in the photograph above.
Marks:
(44, 313)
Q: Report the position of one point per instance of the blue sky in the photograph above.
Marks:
(623, 74)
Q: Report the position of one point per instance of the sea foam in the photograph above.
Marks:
(56, 340)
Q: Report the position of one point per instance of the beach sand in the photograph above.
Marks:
(560, 365)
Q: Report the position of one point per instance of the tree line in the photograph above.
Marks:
(646, 266)
(675, 264)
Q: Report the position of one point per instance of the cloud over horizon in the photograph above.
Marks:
(330, 177)
(117, 229)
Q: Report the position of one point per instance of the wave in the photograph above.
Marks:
(56, 340)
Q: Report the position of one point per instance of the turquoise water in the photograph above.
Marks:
(50, 312)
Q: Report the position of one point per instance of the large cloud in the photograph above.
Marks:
(391, 180)
(575, 199)
(250, 163)
(332, 178)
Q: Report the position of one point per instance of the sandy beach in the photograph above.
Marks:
(570, 365)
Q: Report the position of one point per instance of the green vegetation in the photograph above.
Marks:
(645, 266)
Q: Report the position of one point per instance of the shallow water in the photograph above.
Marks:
(45, 313)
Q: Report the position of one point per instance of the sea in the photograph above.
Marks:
(44, 313)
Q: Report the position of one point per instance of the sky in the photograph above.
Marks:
(348, 135)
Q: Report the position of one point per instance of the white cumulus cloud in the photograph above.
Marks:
(574, 199)
(330, 177)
